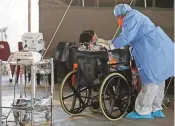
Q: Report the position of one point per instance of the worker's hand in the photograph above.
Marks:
(100, 40)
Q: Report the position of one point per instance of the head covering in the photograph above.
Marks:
(121, 9)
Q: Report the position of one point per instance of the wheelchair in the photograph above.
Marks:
(94, 85)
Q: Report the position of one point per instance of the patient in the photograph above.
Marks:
(88, 40)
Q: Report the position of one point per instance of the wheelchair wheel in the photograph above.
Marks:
(114, 96)
(73, 98)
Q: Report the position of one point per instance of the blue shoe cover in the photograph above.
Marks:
(135, 115)
(158, 114)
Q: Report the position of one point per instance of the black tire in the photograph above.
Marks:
(119, 97)
(76, 93)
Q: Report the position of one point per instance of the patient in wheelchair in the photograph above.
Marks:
(94, 79)
(95, 59)
(88, 39)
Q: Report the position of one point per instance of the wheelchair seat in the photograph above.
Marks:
(92, 66)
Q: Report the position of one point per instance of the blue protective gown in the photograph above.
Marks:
(153, 50)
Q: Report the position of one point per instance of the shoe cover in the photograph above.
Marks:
(135, 115)
(158, 114)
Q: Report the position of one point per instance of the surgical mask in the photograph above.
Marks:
(120, 21)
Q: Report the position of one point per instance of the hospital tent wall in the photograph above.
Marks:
(100, 20)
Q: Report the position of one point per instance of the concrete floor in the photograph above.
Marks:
(86, 118)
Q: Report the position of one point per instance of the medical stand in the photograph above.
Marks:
(0, 93)
(34, 70)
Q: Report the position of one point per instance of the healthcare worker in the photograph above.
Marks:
(153, 52)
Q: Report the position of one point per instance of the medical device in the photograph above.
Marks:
(33, 41)
(27, 57)
(33, 45)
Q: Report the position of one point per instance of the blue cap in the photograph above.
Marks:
(121, 9)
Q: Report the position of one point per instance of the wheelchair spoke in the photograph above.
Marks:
(111, 106)
(73, 102)
(115, 97)
(77, 94)
(74, 97)
(72, 94)
(116, 89)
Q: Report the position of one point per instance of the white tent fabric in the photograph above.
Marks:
(14, 16)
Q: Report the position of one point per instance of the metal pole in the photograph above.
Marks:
(52, 91)
(78, 2)
(21, 82)
(145, 3)
(97, 3)
(29, 15)
(115, 2)
(134, 4)
(0, 92)
(154, 3)
(83, 3)
(33, 80)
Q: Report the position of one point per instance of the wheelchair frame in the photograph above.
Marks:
(99, 105)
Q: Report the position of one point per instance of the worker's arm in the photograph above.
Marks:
(130, 29)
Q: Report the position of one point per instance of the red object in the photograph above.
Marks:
(74, 76)
(4, 50)
(20, 47)
(5, 53)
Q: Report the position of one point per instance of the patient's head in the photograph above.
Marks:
(88, 36)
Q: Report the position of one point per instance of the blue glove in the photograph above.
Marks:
(158, 114)
(135, 115)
